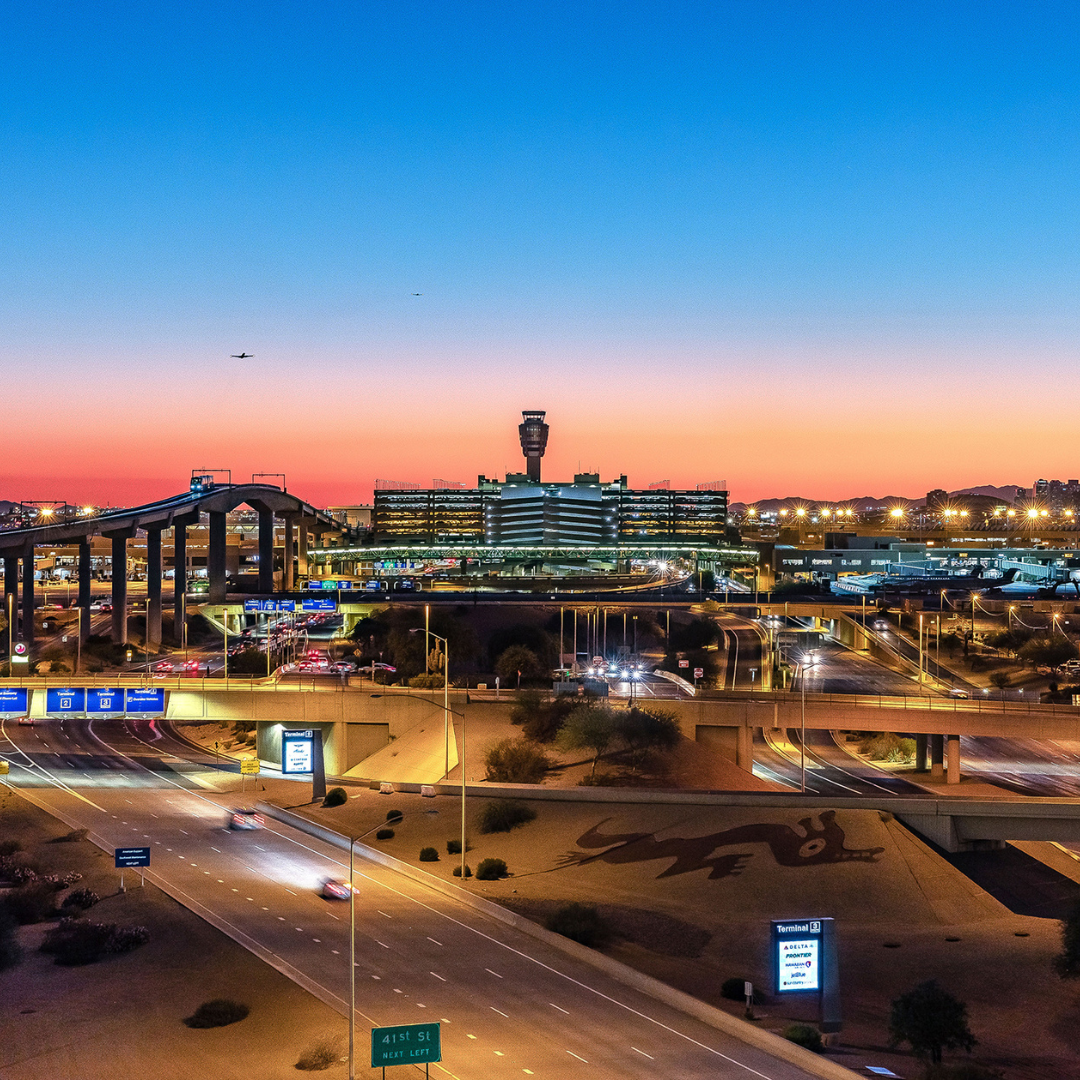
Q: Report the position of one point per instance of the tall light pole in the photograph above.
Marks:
(352, 960)
(801, 672)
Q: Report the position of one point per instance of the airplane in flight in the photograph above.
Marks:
(241, 356)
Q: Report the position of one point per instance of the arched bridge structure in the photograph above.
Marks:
(177, 513)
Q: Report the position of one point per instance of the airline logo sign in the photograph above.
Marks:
(297, 751)
(797, 956)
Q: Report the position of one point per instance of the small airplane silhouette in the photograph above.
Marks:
(418, 294)
(241, 356)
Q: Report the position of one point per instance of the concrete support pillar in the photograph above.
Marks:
(920, 753)
(937, 757)
(215, 557)
(27, 631)
(952, 743)
(302, 538)
(11, 586)
(744, 748)
(179, 581)
(85, 575)
(119, 590)
(288, 577)
(153, 586)
(266, 551)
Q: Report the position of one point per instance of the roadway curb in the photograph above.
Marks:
(761, 1040)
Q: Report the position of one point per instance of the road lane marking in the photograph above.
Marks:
(578, 1056)
(439, 977)
(439, 943)
(642, 1053)
(499, 1053)
(218, 850)
(420, 1005)
(382, 943)
(495, 973)
(384, 915)
(559, 1007)
(499, 1011)
(470, 1036)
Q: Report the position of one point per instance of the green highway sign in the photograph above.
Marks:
(408, 1044)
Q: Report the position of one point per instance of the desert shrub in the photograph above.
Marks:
(427, 682)
(217, 1013)
(394, 815)
(453, 847)
(326, 1052)
(336, 796)
(540, 719)
(385, 834)
(732, 989)
(429, 854)
(10, 950)
(503, 815)
(516, 761)
(31, 902)
(886, 746)
(468, 871)
(125, 938)
(84, 899)
(582, 923)
(804, 1035)
(71, 837)
(9, 847)
(490, 870)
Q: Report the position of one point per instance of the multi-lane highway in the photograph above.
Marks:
(505, 1000)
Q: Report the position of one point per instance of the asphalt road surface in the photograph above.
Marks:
(505, 1001)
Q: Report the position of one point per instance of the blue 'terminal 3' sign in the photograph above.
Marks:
(105, 702)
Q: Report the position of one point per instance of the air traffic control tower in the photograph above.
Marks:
(533, 433)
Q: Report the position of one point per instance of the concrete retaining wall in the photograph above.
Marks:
(645, 984)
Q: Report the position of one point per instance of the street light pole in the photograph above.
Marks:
(802, 738)
(352, 961)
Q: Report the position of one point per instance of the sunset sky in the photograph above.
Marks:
(828, 249)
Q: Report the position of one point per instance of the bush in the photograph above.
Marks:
(468, 871)
(516, 761)
(126, 938)
(31, 902)
(336, 796)
(217, 1013)
(887, 747)
(540, 720)
(490, 870)
(326, 1052)
(429, 854)
(385, 834)
(581, 923)
(804, 1035)
(71, 837)
(504, 815)
(74, 943)
(427, 682)
(732, 990)
(84, 899)
(394, 815)
(453, 847)
(9, 847)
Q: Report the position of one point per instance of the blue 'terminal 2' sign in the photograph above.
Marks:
(65, 702)
(13, 701)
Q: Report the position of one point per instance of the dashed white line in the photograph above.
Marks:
(642, 1053)
(439, 943)
(578, 1056)
(559, 1007)
(382, 943)
(384, 915)
(495, 973)
(499, 1011)
(439, 977)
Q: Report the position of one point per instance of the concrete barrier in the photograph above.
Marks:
(716, 1018)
